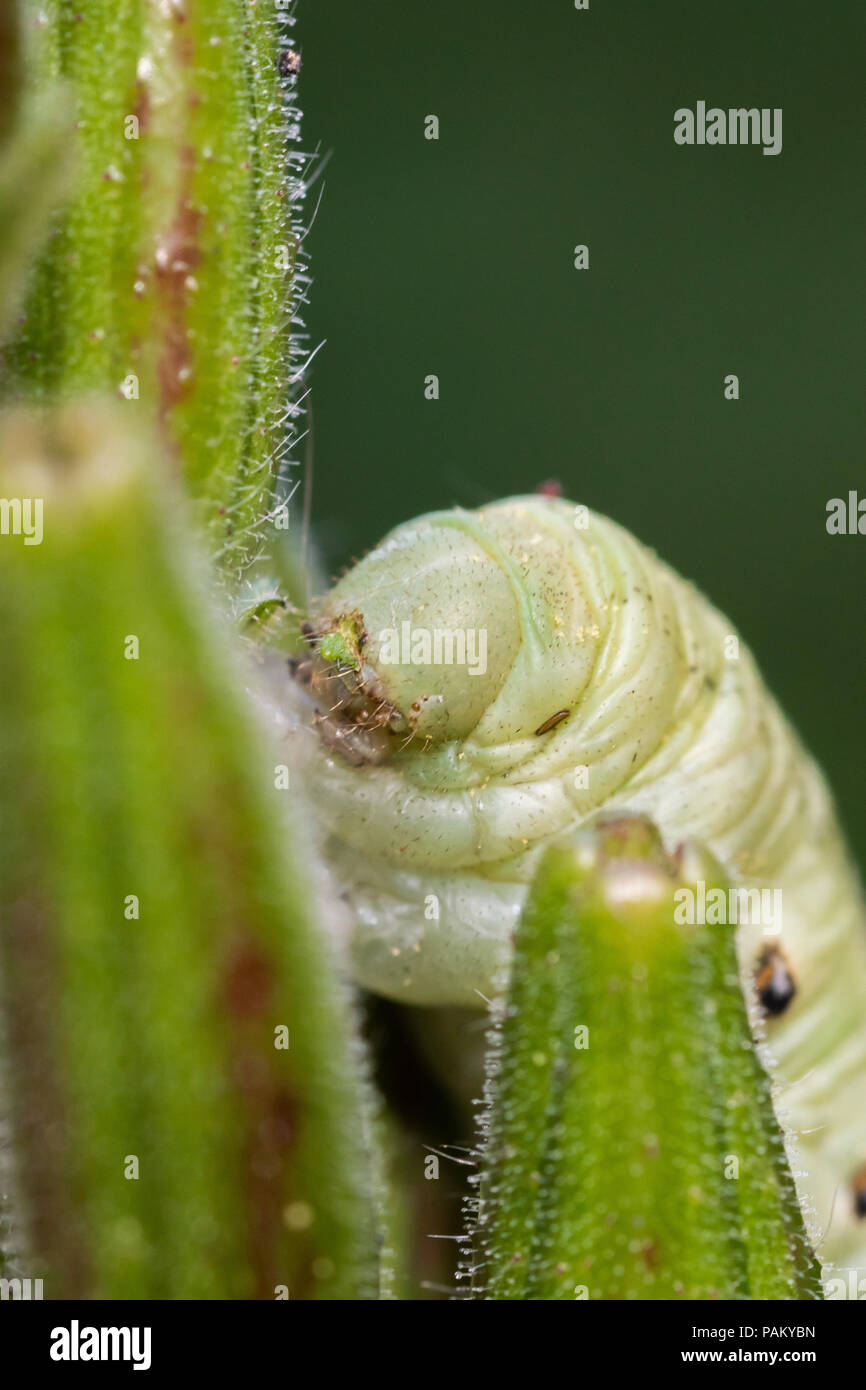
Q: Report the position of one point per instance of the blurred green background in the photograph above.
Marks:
(456, 258)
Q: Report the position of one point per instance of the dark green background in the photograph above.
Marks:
(455, 257)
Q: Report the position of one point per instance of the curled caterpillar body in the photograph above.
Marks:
(435, 665)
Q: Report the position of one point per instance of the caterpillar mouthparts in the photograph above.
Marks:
(483, 682)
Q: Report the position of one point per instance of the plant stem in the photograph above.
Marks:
(189, 1105)
(632, 1149)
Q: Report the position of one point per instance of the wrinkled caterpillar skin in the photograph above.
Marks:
(580, 616)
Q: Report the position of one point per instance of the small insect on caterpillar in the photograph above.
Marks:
(607, 685)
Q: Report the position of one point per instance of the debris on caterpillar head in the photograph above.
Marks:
(355, 715)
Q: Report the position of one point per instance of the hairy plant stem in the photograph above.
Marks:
(632, 1150)
(167, 279)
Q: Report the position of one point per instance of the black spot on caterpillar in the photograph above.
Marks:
(773, 981)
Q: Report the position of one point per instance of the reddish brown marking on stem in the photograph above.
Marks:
(45, 1163)
(178, 254)
(142, 108)
(10, 65)
(270, 1118)
(272, 1130)
(649, 1254)
(248, 984)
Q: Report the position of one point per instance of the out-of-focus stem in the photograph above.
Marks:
(187, 1102)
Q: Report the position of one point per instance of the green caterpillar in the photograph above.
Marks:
(575, 672)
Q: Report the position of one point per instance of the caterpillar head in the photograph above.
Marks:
(481, 682)
(452, 628)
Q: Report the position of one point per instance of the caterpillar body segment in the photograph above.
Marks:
(574, 672)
